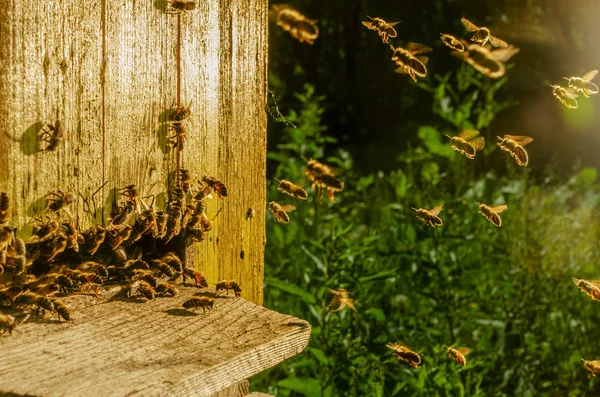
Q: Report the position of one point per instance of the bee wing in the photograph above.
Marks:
(367, 23)
(392, 24)
(436, 211)
(520, 139)
(470, 26)
(589, 76)
(288, 208)
(350, 303)
(478, 143)
(417, 48)
(504, 54)
(464, 350)
(331, 291)
(496, 42)
(468, 134)
(499, 208)
(423, 59)
(402, 70)
(595, 282)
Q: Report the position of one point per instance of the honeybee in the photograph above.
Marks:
(452, 42)
(161, 224)
(227, 285)
(292, 189)
(323, 177)
(280, 211)
(491, 213)
(163, 267)
(31, 298)
(145, 275)
(60, 201)
(196, 235)
(173, 222)
(430, 216)
(514, 145)
(409, 60)
(218, 186)
(199, 301)
(144, 224)
(135, 264)
(487, 62)
(179, 6)
(459, 354)
(44, 230)
(251, 213)
(185, 179)
(4, 205)
(146, 289)
(121, 213)
(384, 30)
(47, 289)
(467, 143)
(7, 324)
(341, 299)
(62, 310)
(117, 234)
(591, 288)
(74, 238)
(52, 135)
(403, 353)
(301, 28)
(197, 276)
(198, 217)
(173, 260)
(179, 113)
(93, 238)
(10, 293)
(593, 366)
(19, 255)
(177, 140)
(165, 288)
(584, 85)
(51, 248)
(567, 96)
(482, 35)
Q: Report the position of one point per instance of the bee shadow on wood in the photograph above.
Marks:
(37, 207)
(30, 142)
(162, 138)
(112, 200)
(214, 295)
(160, 5)
(181, 312)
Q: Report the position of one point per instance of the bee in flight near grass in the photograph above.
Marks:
(430, 216)
(452, 42)
(410, 61)
(467, 143)
(584, 85)
(513, 144)
(568, 96)
(280, 211)
(591, 288)
(491, 213)
(458, 354)
(384, 29)
(487, 62)
(341, 299)
(482, 35)
(301, 28)
(401, 352)
(593, 366)
(292, 189)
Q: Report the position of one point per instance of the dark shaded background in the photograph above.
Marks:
(375, 112)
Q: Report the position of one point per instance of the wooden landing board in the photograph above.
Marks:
(147, 348)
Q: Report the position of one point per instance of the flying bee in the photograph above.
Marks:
(591, 288)
(60, 201)
(467, 143)
(52, 135)
(491, 213)
(280, 211)
(4, 205)
(584, 85)
(93, 238)
(403, 353)
(315, 168)
(177, 140)
(384, 30)
(199, 301)
(430, 216)
(216, 185)
(185, 179)
(165, 288)
(341, 299)
(292, 189)
(410, 61)
(568, 96)
(117, 234)
(229, 285)
(593, 366)
(458, 354)
(179, 6)
(197, 276)
(62, 310)
(452, 42)
(487, 62)
(301, 28)
(514, 145)
(482, 35)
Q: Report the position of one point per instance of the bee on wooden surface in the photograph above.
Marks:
(452, 42)
(196, 235)
(430, 216)
(145, 223)
(179, 113)
(280, 211)
(568, 96)
(19, 255)
(292, 189)
(62, 310)
(44, 230)
(177, 140)
(31, 298)
(146, 289)
(117, 234)
(458, 354)
(482, 35)
(93, 238)
(179, 6)
(492, 213)
(229, 285)
(6, 236)
(173, 260)
(7, 324)
(251, 213)
(341, 299)
(591, 288)
(403, 353)
(584, 85)
(173, 222)
(199, 301)
(485, 61)
(65, 283)
(163, 267)
(60, 201)
(52, 135)
(47, 289)
(299, 27)
(121, 213)
(513, 144)
(216, 185)
(136, 264)
(145, 275)
(410, 61)
(593, 366)
(184, 178)
(4, 205)
(384, 29)
(161, 224)
(198, 217)
(467, 143)
(74, 238)
(196, 276)
(165, 288)
(94, 267)
(10, 293)
(49, 249)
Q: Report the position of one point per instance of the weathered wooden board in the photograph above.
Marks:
(153, 348)
(109, 71)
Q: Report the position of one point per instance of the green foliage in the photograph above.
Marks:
(504, 292)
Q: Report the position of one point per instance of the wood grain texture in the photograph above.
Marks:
(257, 394)
(154, 348)
(108, 70)
(237, 390)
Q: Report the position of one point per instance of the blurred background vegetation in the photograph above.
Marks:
(506, 293)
